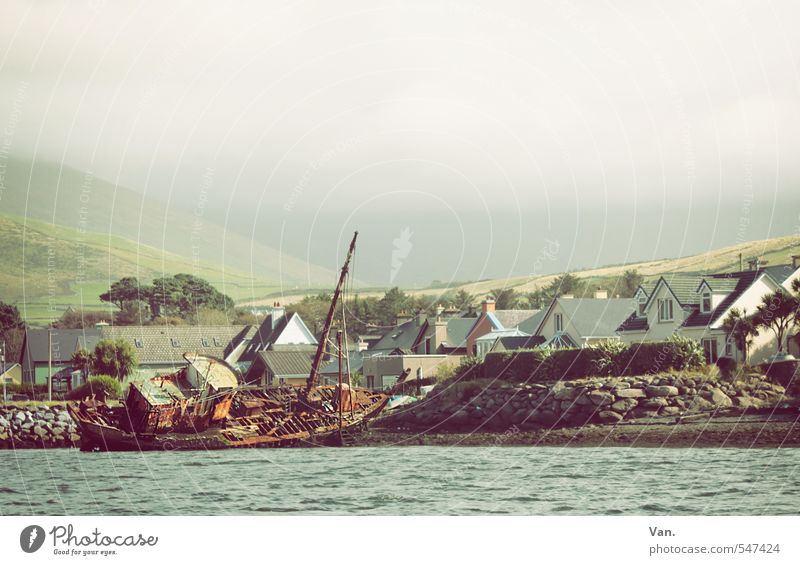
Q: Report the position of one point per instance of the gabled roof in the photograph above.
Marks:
(265, 336)
(593, 317)
(457, 331)
(743, 281)
(160, 345)
(63, 342)
(722, 283)
(561, 340)
(287, 363)
(403, 336)
(530, 324)
(513, 318)
(779, 273)
(682, 285)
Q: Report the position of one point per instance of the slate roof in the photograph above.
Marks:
(163, 345)
(779, 273)
(742, 281)
(64, 341)
(596, 317)
(458, 330)
(684, 287)
(403, 336)
(513, 318)
(332, 368)
(512, 343)
(287, 363)
(530, 325)
(634, 323)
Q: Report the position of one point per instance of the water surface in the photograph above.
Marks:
(403, 480)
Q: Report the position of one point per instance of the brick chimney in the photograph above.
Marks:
(487, 305)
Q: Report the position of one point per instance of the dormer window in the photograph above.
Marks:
(665, 310)
(175, 342)
(705, 304)
(204, 341)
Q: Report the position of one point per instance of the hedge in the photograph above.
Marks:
(637, 359)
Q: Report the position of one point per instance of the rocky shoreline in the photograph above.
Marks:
(36, 426)
(498, 406)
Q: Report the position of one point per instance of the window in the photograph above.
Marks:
(138, 343)
(710, 349)
(728, 348)
(665, 310)
(370, 381)
(217, 342)
(204, 341)
(559, 322)
(642, 304)
(706, 304)
(175, 342)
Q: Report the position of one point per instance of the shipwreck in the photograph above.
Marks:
(205, 405)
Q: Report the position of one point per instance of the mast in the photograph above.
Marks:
(311, 382)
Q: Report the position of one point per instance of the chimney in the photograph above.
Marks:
(795, 261)
(439, 310)
(439, 333)
(100, 325)
(362, 345)
(487, 305)
(278, 312)
(601, 294)
(402, 318)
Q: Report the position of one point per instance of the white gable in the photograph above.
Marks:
(296, 333)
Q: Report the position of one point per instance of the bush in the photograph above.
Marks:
(609, 356)
(728, 367)
(101, 386)
(524, 365)
(676, 353)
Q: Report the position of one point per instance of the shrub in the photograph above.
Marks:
(524, 365)
(610, 354)
(728, 367)
(676, 353)
(101, 386)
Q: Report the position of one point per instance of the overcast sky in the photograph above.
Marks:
(459, 137)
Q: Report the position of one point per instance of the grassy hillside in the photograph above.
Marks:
(47, 268)
(776, 251)
(67, 197)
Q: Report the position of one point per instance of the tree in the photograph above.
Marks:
(393, 302)
(779, 312)
(83, 360)
(113, 357)
(628, 283)
(564, 284)
(9, 318)
(124, 292)
(463, 299)
(504, 298)
(741, 328)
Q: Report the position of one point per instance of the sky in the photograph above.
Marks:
(464, 140)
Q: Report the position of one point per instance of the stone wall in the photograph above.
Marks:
(36, 426)
(496, 406)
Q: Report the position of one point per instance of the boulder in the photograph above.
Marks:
(600, 398)
(670, 411)
(720, 399)
(630, 393)
(609, 416)
(662, 390)
(624, 404)
(655, 403)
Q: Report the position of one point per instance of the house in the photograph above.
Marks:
(579, 322)
(276, 367)
(278, 332)
(52, 348)
(696, 306)
(382, 371)
(11, 373)
(485, 343)
(491, 320)
(425, 335)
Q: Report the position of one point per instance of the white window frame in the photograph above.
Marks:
(703, 308)
(558, 322)
(642, 303)
(666, 304)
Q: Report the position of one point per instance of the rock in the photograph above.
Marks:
(624, 404)
(747, 402)
(460, 417)
(74, 438)
(564, 393)
(655, 403)
(58, 430)
(621, 386)
(720, 399)
(630, 393)
(662, 390)
(699, 404)
(544, 417)
(599, 398)
(20, 416)
(40, 431)
(670, 411)
(609, 416)
(583, 400)
(48, 416)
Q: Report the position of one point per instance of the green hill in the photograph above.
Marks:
(47, 268)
